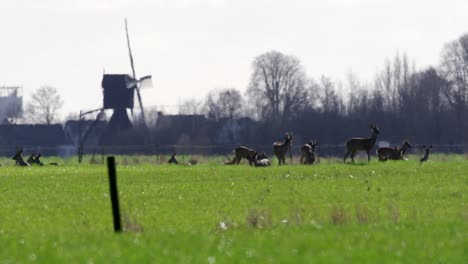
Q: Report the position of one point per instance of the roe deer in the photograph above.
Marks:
(426, 154)
(281, 148)
(31, 158)
(387, 153)
(39, 162)
(173, 159)
(308, 152)
(355, 144)
(259, 161)
(18, 157)
(243, 152)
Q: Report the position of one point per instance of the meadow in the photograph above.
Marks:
(391, 212)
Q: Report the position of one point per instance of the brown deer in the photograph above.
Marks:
(426, 154)
(397, 153)
(243, 152)
(281, 148)
(31, 158)
(308, 152)
(37, 161)
(260, 161)
(366, 144)
(18, 157)
(173, 159)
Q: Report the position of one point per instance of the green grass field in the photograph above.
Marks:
(392, 212)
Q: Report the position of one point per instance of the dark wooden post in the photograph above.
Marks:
(157, 153)
(80, 153)
(114, 194)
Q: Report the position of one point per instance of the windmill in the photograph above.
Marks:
(119, 92)
(118, 95)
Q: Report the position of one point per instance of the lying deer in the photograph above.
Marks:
(281, 148)
(397, 153)
(18, 157)
(31, 158)
(426, 154)
(308, 152)
(366, 144)
(259, 161)
(173, 159)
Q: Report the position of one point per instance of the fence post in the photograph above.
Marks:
(156, 153)
(114, 195)
(80, 153)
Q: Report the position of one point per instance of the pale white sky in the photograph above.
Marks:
(193, 46)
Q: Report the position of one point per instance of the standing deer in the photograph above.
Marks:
(281, 148)
(308, 152)
(426, 154)
(387, 153)
(259, 161)
(355, 144)
(18, 157)
(243, 152)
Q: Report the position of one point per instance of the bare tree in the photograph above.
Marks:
(455, 69)
(278, 86)
(227, 103)
(191, 107)
(44, 105)
(331, 102)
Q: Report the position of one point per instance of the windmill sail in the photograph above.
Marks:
(134, 74)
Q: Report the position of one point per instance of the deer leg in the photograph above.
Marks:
(353, 153)
(368, 156)
(302, 157)
(346, 155)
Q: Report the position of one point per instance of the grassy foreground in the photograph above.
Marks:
(329, 213)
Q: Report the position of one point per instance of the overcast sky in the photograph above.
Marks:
(193, 46)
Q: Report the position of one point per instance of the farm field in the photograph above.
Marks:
(391, 212)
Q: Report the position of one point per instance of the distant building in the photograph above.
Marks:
(73, 131)
(11, 103)
(44, 138)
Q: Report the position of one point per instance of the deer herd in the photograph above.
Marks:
(281, 149)
(32, 160)
(309, 151)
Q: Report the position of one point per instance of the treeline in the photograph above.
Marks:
(428, 105)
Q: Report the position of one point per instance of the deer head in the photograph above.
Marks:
(375, 130)
(18, 154)
(406, 144)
